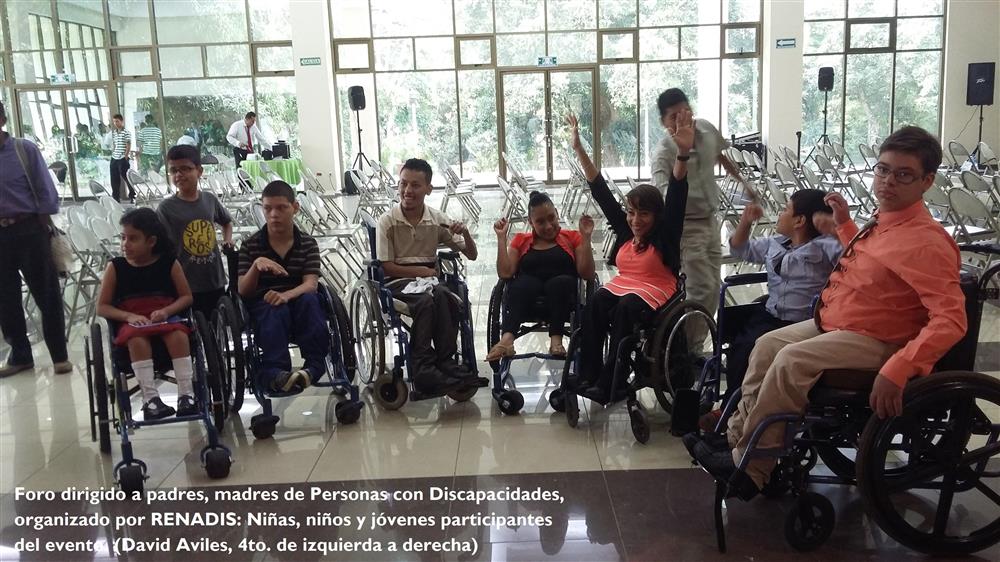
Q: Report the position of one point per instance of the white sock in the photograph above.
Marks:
(184, 372)
(144, 373)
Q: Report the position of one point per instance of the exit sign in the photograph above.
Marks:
(547, 61)
(309, 61)
(62, 78)
(785, 43)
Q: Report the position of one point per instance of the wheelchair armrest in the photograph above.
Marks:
(448, 255)
(746, 278)
(372, 263)
(992, 249)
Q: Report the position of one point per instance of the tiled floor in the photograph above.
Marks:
(623, 500)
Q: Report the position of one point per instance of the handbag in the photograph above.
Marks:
(62, 253)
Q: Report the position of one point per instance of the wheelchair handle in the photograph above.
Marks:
(992, 249)
(746, 278)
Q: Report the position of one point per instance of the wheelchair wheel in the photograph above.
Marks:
(347, 342)
(211, 362)
(347, 412)
(810, 522)
(493, 315)
(369, 331)
(391, 391)
(675, 365)
(217, 463)
(95, 359)
(131, 479)
(262, 426)
(229, 343)
(557, 399)
(941, 449)
(510, 402)
(640, 423)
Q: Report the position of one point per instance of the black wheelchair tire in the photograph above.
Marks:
(664, 386)
(100, 381)
(210, 362)
(363, 296)
(347, 413)
(493, 318)
(391, 392)
(346, 333)
(810, 522)
(921, 395)
(639, 421)
(510, 402)
(557, 399)
(131, 479)
(217, 463)
(229, 334)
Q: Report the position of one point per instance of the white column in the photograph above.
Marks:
(972, 35)
(314, 86)
(781, 102)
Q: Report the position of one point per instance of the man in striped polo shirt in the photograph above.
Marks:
(279, 271)
(121, 148)
(150, 139)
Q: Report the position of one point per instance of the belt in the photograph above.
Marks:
(9, 221)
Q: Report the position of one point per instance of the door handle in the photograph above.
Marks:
(74, 145)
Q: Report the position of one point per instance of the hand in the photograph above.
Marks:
(752, 212)
(137, 319)
(243, 146)
(886, 398)
(158, 316)
(586, 226)
(683, 133)
(824, 223)
(265, 265)
(841, 211)
(274, 298)
(458, 227)
(428, 272)
(574, 132)
(501, 228)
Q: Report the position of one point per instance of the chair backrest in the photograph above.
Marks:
(958, 153)
(93, 208)
(824, 163)
(97, 189)
(103, 229)
(861, 193)
(785, 174)
(974, 182)
(257, 214)
(971, 211)
(370, 224)
(76, 215)
(790, 156)
(936, 197)
(986, 155)
(83, 239)
(779, 196)
(942, 180)
(810, 176)
(209, 159)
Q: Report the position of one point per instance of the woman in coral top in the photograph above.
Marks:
(646, 252)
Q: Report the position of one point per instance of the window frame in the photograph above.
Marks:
(633, 31)
(849, 23)
(491, 37)
(254, 58)
(338, 69)
(118, 75)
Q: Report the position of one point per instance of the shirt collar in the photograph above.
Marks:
(296, 236)
(398, 216)
(892, 218)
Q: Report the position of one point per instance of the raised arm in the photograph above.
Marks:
(612, 210)
(675, 201)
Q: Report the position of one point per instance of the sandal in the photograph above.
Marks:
(499, 351)
(557, 350)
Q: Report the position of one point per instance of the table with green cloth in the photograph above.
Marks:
(288, 169)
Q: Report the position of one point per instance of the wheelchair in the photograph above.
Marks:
(508, 398)
(377, 316)
(111, 404)
(908, 469)
(239, 357)
(656, 356)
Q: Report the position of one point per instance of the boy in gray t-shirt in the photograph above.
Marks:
(190, 216)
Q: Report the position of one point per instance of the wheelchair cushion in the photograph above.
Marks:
(837, 387)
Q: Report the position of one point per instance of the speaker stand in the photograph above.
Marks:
(824, 138)
(979, 139)
(361, 154)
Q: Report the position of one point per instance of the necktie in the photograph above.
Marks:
(867, 229)
(249, 141)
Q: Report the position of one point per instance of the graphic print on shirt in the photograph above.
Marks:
(199, 241)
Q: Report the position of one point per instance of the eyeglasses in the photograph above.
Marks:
(181, 170)
(903, 177)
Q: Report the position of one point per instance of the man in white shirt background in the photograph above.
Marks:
(246, 137)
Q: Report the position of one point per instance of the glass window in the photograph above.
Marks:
(195, 21)
(348, 121)
(278, 108)
(740, 10)
(869, 35)
(741, 40)
(871, 8)
(473, 16)
(137, 101)
(919, 33)
(677, 12)
(917, 95)
(519, 15)
(813, 98)
(34, 67)
(206, 108)
(81, 23)
(181, 62)
(824, 37)
(394, 54)
(417, 117)
(618, 45)
(269, 20)
(618, 117)
(478, 111)
(520, 50)
(475, 51)
(571, 15)
(920, 8)
(275, 59)
(659, 44)
(570, 48)
(129, 22)
(392, 18)
(435, 52)
(87, 64)
(134, 63)
(351, 19)
(868, 100)
(30, 24)
(699, 42)
(353, 56)
(617, 13)
(824, 9)
(3, 73)
(741, 88)
(228, 60)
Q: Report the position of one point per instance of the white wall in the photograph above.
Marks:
(314, 87)
(781, 111)
(972, 35)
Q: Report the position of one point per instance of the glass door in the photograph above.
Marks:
(534, 105)
(69, 126)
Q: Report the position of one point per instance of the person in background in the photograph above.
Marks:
(150, 139)
(121, 151)
(28, 199)
(245, 137)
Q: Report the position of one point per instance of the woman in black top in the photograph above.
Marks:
(646, 252)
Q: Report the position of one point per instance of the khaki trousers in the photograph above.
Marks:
(701, 263)
(784, 366)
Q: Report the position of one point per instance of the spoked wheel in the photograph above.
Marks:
(346, 333)
(568, 388)
(229, 342)
(942, 498)
(368, 330)
(677, 364)
(100, 382)
(212, 365)
(493, 316)
(810, 522)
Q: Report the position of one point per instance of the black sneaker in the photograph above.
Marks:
(286, 382)
(155, 409)
(705, 442)
(186, 406)
(720, 465)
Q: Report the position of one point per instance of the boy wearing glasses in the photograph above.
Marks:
(190, 216)
(892, 305)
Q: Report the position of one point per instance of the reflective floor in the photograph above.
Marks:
(622, 500)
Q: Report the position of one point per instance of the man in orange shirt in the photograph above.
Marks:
(893, 304)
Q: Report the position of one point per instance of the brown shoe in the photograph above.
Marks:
(707, 422)
(13, 369)
(499, 351)
(63, 367)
